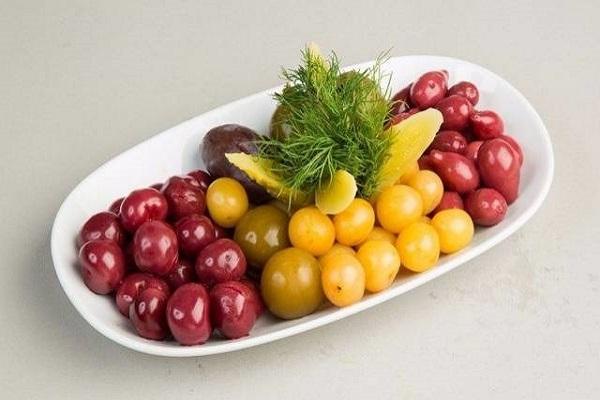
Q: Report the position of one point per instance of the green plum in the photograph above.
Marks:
(262, 232)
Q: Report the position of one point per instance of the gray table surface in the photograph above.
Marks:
(80, 83)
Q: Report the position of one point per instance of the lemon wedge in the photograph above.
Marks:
(336, 196)
(411, 138)
(260, 171)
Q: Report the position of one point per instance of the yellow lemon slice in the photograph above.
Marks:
(259, 170)
(336, 196)
(411, 138)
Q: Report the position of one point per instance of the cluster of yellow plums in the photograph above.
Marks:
(363, 247)
(310, 255)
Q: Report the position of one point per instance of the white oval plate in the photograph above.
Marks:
(176, 150)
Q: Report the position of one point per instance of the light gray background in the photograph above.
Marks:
(79, 83)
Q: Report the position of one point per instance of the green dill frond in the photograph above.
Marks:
(336, 122)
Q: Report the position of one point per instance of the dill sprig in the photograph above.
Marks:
(336, 122)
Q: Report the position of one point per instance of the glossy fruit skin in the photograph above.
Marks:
(430, 187)
(104, 225)
(194, 232)
(115, 206)
(455, 229)
(188, 314)
(262, 232)
(183, 197)
(102, 265)
(515, 145)
(401, 101)
(381, 263)
(472, 150)
(465, 89)
(458, 173)
(337, 249)
(487, 207)
(291, 283)
(190, 180)
(378, 233)
(232, 309)
(257, 299)
(202, 177)
(183, 272)
(220, 261)
(398, 206)
(133, 285)
(486, 124)
(452, 141)
(232, 138)
(343, 279)
(499, 168)
(355, 223)
(311, 230)
(429, 89)
(449, 200)
(410, 172)
(227, 201)
(142, 205)
(147, 313)
(419, 246)
(456, 111)
(155, 248)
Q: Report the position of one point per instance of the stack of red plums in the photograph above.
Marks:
(173, 271)
(479, 164)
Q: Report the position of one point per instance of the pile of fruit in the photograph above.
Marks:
(480, 165)
(172, 269)
(305, 216)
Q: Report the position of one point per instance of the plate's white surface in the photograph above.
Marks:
(176, 150)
